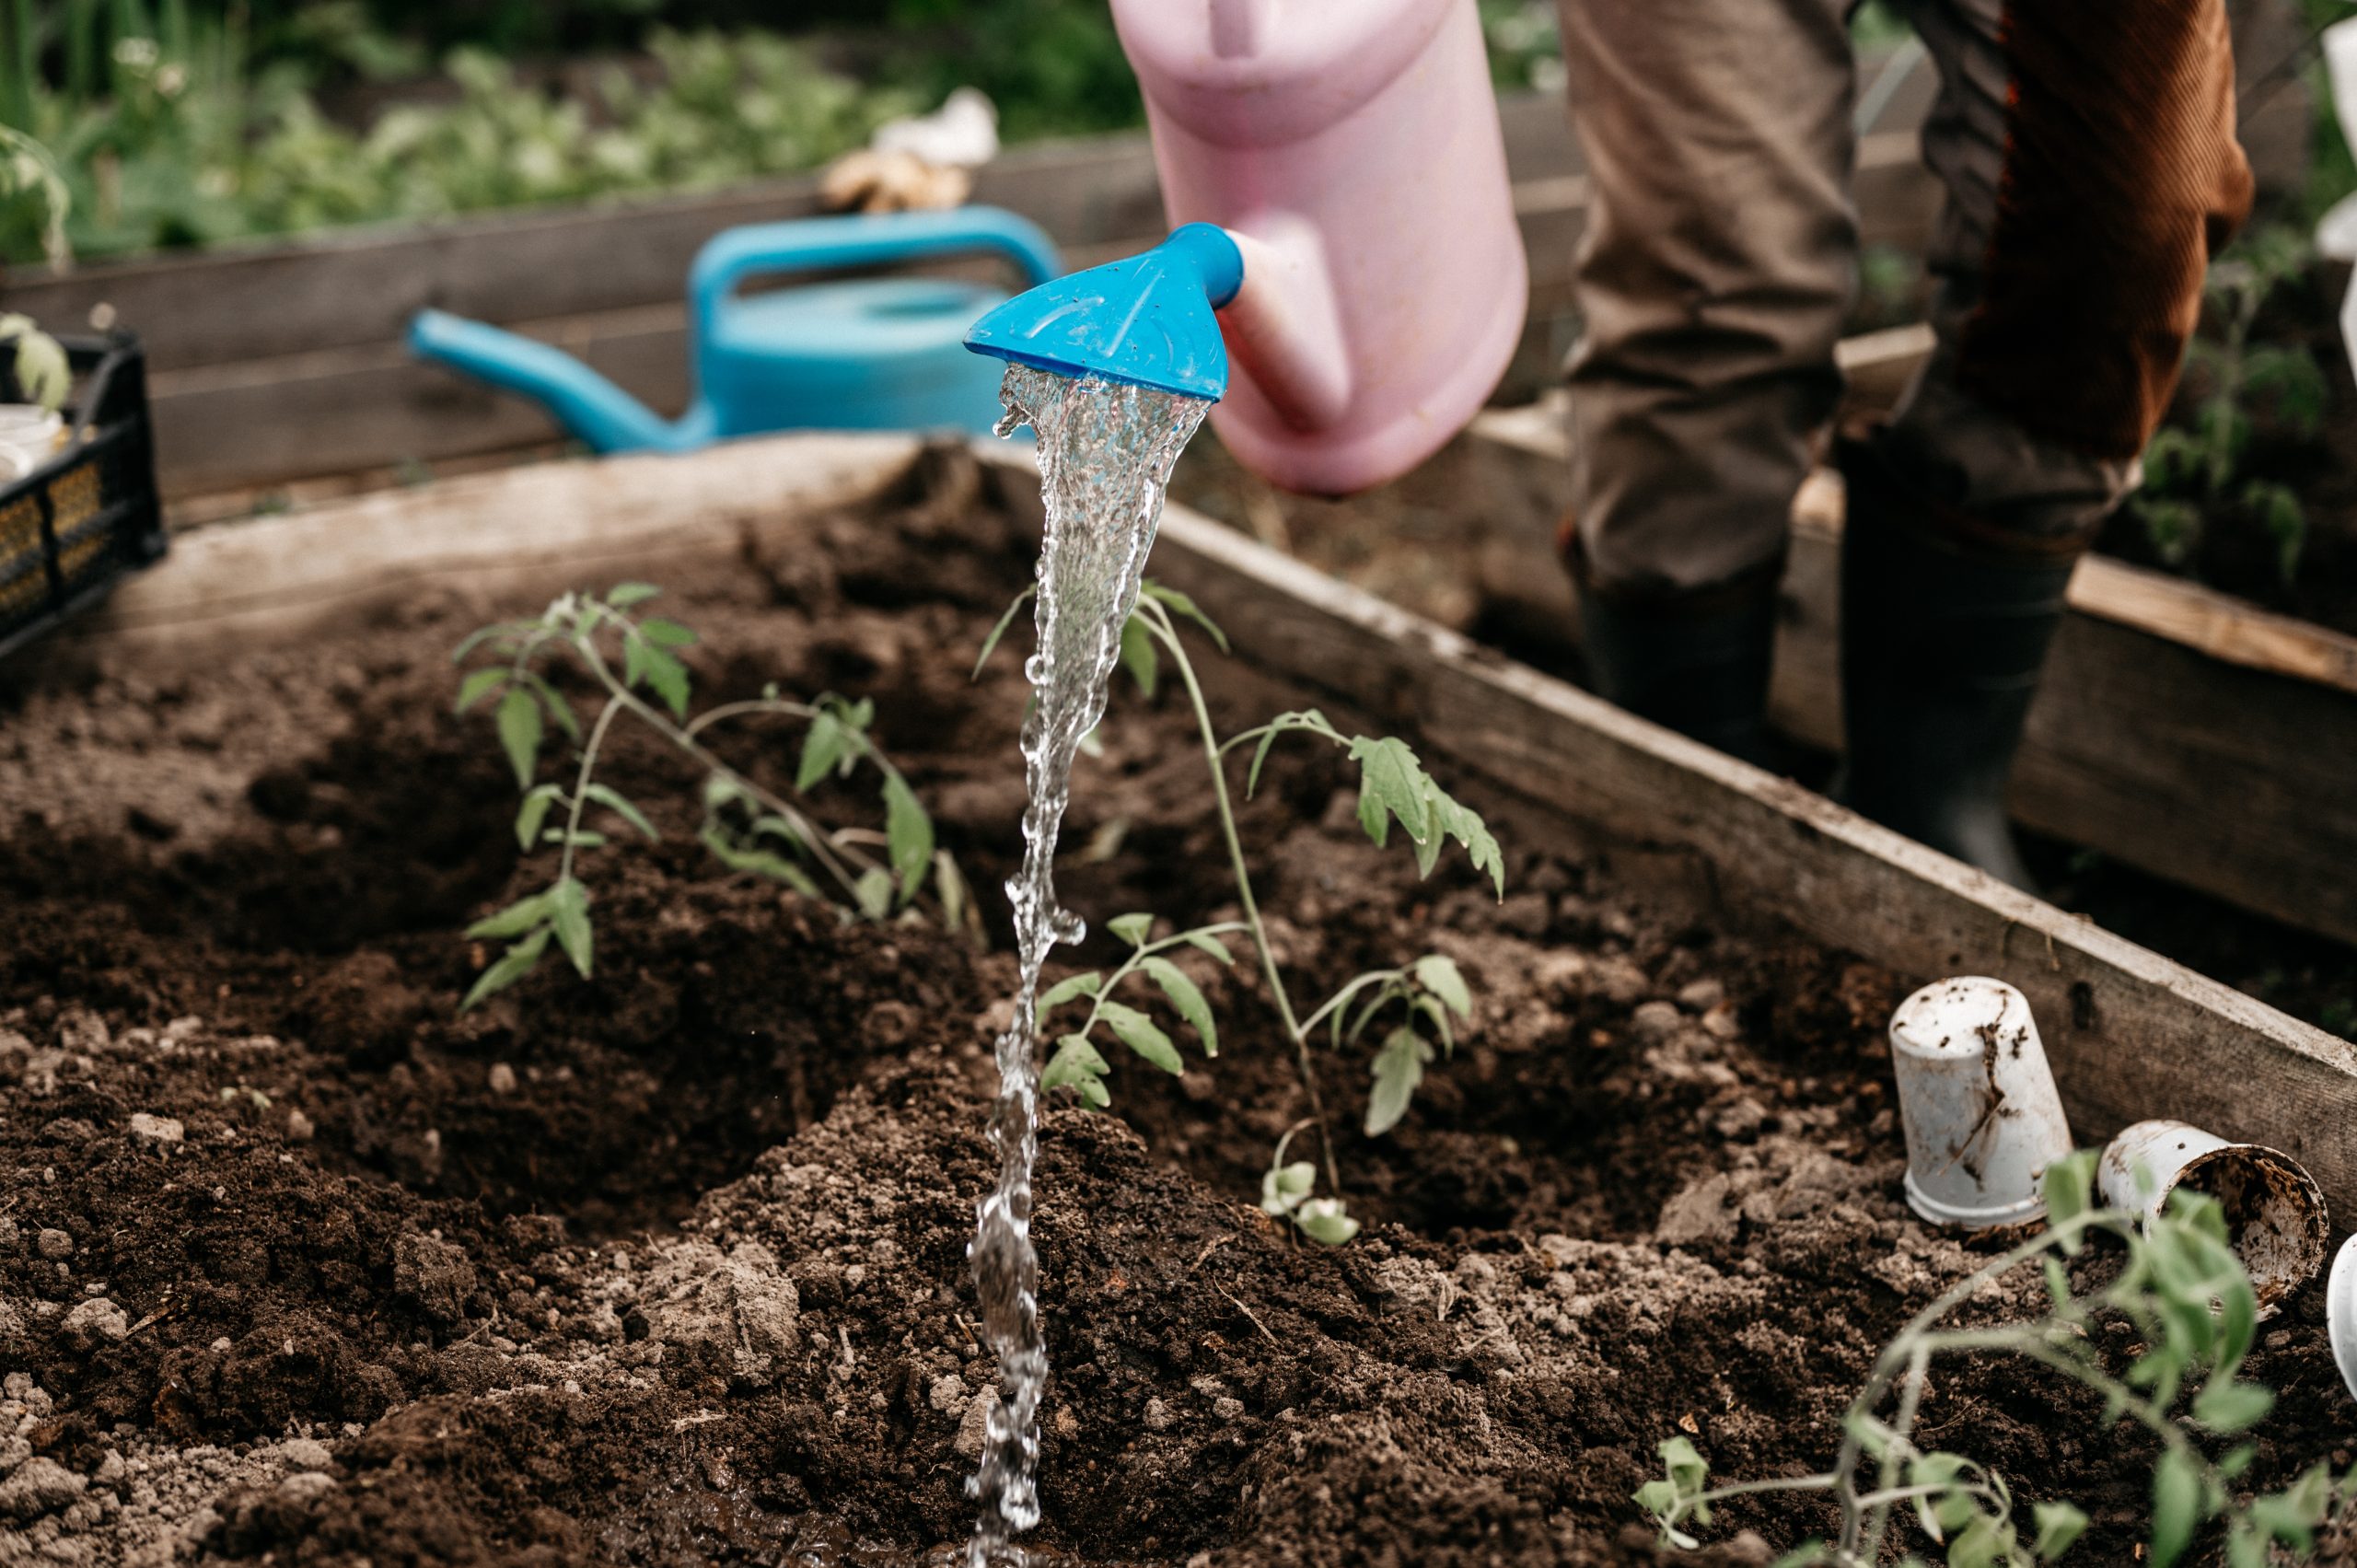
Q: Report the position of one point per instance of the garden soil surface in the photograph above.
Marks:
(299, 1264)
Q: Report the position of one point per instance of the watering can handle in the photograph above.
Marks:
(811, 244)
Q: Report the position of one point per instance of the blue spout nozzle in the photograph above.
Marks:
(1147, 319)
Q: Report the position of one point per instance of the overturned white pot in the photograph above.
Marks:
(2275, 1212)
(1983, 1120)
(2340, 1312)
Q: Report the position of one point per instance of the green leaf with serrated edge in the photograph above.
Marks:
(1208, 942)
(1465, 825)
(1179, 604)
(479, 684)
(519, 733)
(908, 834)
(989, 644)
(2058, 1525)
(822, 748)
(1439, 974)
(1323, 1221)
(615, 802)
(569, 906)
(1076, 1063)
(1398, 1068)
(2231, 1407)
(621, 596)
(1284, 1188)
(1071, 988)
(1132, 928)
(872, 892)
(2177, 1506)
(634, 654)
(759, 862)
(583, 839)
(558, 708)
(666, 634)
(533, 813)
(1138, 656)
(1391, 785)
(667, 678)
(1143, 1035)
(524, 914)
(1187, 998)
(513, 966)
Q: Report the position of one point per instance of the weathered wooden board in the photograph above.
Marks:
(2132, 1035)
(2179, 730)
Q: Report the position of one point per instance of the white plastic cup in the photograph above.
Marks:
(2340, 1312)
(1983, 1120)
(2275, 1212)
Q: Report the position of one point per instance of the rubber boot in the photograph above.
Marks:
(1943, 633)
(1696, 663)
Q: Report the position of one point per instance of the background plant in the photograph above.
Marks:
(2194, 1313)
(1416, 1001)
(2192, 472)
(746, 826)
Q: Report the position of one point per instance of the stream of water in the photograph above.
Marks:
(1105, 454)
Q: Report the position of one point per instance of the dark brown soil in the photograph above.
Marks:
(669, 1266)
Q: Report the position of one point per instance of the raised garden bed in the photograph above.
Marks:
(669, 1265)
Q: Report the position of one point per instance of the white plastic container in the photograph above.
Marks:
(2340, 1312)
(1983, 1120)
(2275, 1212)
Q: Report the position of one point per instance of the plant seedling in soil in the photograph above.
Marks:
(2192, 1306)
(1418, 1000)
(746, 826)
(2192, 472)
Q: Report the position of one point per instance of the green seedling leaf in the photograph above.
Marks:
(951, 884)
(533, 813)
(1391, 785)
(479, 684)
(44, 372)
(1938, 1512)
(1076, 1064)
(2293, 1514)
(1132, 928)
(2059, 1525)
(1308, 719)
(569, 909)
(1465, 825)
(2177, 1506)
(1658, 1498)
(1143, 1035)
(583, 839)
(666, 677)
(513, 966)
(1323, 1221)
(989, 644)
(1285, 1187)
(1139, 657)
(908, 834)
(558, 708)
(760, 862)
(722, 790)
(666, 634)
(2069, 1189)
(1685, 1465)
(1071, 988)
(2230, 1407)
(1430, 1010)
(525, 915)
(837, 737)
(1208, 942)
(872, 892)
(615, 802)
(520, 732)
(1187, 998)
(1179, 604)
(770, 826)
(1398, 1068)
(1440, 975)
(1984, 1544)
(621, 596)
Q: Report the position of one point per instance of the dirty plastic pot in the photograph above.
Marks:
(1983, 1120)
(2275, 1212)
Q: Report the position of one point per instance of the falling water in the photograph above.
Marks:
(1105, 454)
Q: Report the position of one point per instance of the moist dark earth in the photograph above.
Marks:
(299, 1264)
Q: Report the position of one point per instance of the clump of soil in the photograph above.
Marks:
(298, 1265)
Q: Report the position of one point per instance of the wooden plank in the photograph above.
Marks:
(2177, 731)
(2130, 1034)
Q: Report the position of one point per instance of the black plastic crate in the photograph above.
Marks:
(73, 526)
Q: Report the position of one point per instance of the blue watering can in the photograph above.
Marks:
(872, 354)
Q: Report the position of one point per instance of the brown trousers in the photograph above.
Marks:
(2088, 155)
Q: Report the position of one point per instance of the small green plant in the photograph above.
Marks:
(746, 826)
(42, 371)
(2192, 1306)
(1417, 999)
(2197, 472)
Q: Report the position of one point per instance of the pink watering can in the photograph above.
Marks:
(1340, 180)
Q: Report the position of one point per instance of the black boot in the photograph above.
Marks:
(1944, 632)
(1695, 662)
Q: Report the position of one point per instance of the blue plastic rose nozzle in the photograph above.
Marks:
(1147, 319)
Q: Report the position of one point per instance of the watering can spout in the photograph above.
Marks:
(1148, 319)
(601, 413)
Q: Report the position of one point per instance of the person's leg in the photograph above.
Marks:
(2091, 170)
(1717, 267)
